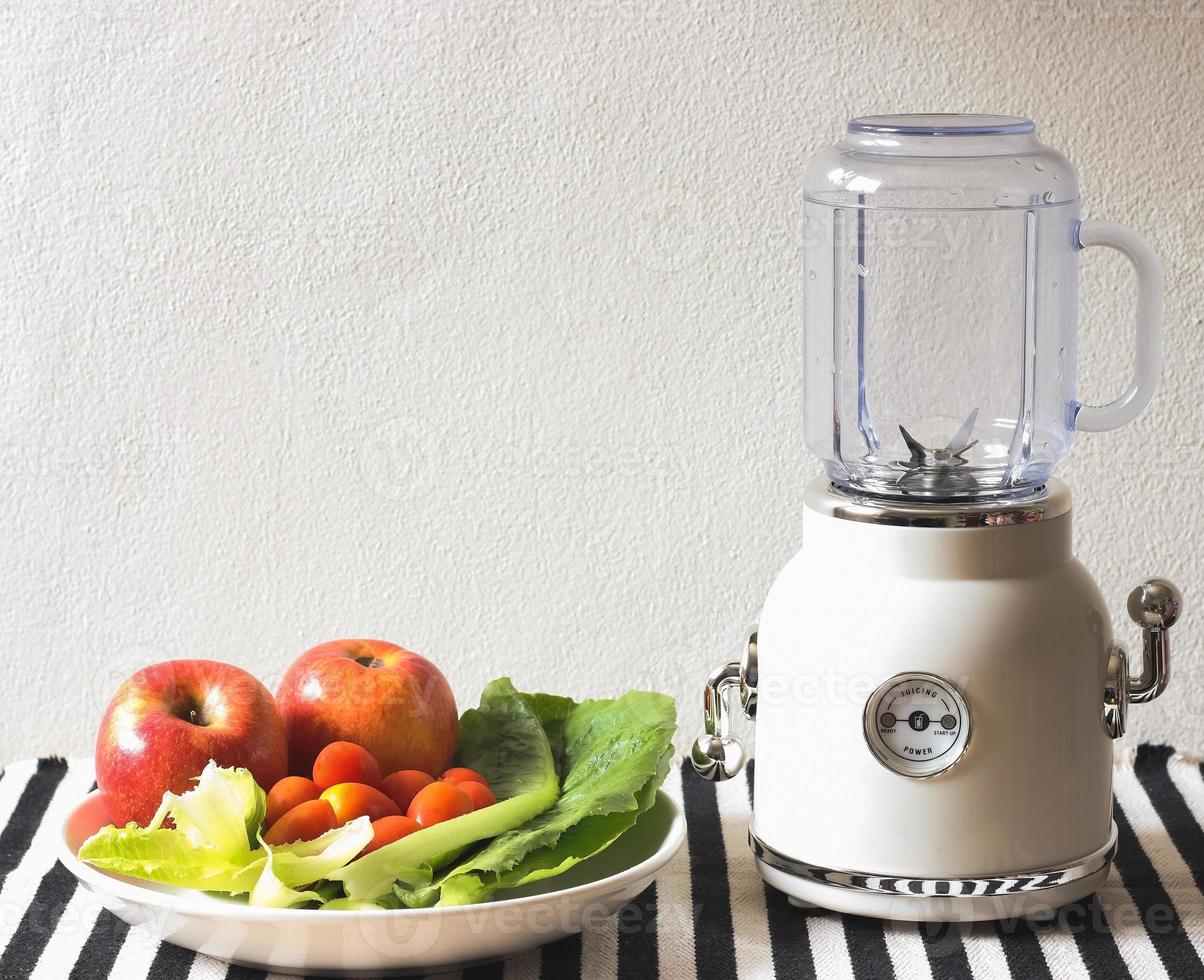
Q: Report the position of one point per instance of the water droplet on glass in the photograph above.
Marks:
(1010, 200)
(1016, 161)
(812, 275)
(1056, 177)
(1055, 285)
(954, 191)
(1048, 197)
(1037, 167)
(862, 270)
(1061, 353)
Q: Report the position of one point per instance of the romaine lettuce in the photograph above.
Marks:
(503, 741)
(614, 755)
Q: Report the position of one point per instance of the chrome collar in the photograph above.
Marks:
(1053, 500)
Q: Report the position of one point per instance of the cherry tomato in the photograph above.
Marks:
(480, 794)
(303, 822)
(388, 829)
(401, 786)
(351, 800)
(289, 792)
(461, 775)
(438, 802)
(345, 762)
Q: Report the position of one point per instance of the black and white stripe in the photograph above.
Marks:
(708, 915)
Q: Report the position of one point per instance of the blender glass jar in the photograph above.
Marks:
(941, 279)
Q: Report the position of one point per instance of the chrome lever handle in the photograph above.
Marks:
(717, 754)
(1154, 606)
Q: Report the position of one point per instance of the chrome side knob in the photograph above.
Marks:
(717, 758)
(717, 754)
(1154, 606)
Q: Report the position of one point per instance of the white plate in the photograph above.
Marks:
(383, 941)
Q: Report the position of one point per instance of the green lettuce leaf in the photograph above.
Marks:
(504, 741)
(211, 847)
(328, 891)
(410, 880)
(224, 810)
(553, 712)
(615, 754)
(288, 866)
(271, 892)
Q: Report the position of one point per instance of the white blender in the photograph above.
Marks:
(934, 679)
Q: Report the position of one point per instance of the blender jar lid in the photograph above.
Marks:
(942, 124)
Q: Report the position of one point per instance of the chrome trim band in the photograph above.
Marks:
(1052, 501)
(1026, 881)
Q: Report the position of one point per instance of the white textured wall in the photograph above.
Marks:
(476, 326)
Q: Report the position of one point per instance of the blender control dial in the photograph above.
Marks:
(917, 724)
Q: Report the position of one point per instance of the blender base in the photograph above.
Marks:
(1034, 893)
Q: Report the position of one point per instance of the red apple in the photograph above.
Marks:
(166, 722)
(393, 702)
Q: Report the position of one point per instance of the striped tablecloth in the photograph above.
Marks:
(709, 915)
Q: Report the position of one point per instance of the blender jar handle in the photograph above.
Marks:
(1149, 326)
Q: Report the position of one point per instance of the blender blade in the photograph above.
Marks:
(935, 471)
